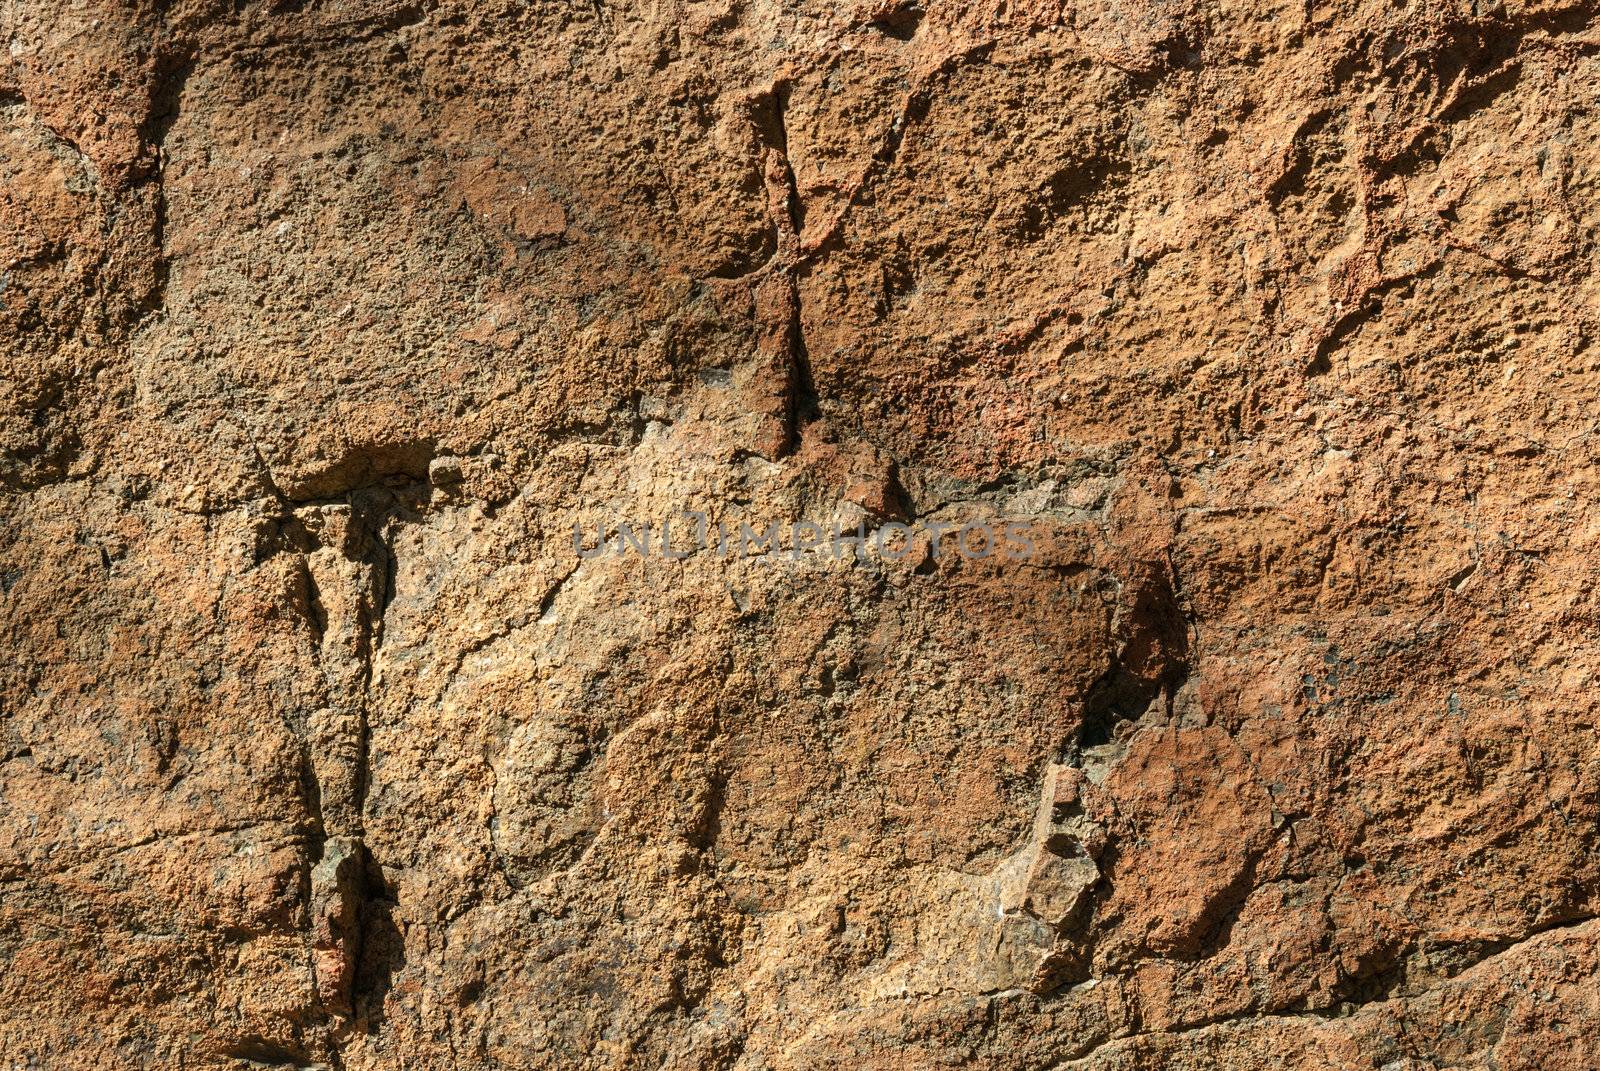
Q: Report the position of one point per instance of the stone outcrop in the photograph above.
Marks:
(1119, 488)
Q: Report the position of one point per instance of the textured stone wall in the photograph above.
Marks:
(1264, 738)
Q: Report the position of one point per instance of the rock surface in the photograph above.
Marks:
(1266, 740)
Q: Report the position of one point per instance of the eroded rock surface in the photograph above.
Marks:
(324, 744)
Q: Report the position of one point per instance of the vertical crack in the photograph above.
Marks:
(349, 582)
(778, 293)
(804, 406)
(170, 79)
(769, 114)
(776, 279)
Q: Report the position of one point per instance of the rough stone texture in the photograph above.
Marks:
(325, 322)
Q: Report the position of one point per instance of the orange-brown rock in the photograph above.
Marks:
(1119, 481)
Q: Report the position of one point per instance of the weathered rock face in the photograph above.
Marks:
(349, 349)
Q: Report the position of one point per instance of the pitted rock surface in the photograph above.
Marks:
(340, 727)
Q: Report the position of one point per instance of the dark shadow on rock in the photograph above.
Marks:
(382, 950)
